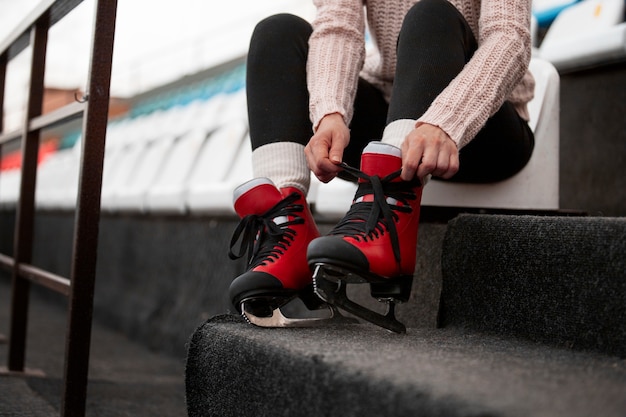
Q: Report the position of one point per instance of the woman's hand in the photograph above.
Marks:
(429, 150)
(324, 152)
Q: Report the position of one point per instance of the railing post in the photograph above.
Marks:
(3, 78)
(88, 212)
(24, 223)
(3, 74)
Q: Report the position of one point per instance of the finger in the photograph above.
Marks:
(453, 167)
(428, 164)
(411, 157)
(318, 150)
(442, 166)
(335, 154)
(319, 163)
(310, 158)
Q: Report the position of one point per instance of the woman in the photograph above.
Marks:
(440, 77)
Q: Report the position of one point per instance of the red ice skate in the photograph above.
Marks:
(375, 243)
(275, 229)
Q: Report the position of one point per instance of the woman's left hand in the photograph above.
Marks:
(429, 150)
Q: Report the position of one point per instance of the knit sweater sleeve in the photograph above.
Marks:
(492, 73)
(336, 55)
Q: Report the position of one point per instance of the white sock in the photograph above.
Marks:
(284, 163)
(396, 131)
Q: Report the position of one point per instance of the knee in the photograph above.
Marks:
(438, 22)
(431, 12)
(281, 27)
(431, 7)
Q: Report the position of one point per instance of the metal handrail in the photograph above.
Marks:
(33, 30)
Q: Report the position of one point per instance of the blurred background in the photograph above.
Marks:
(156, 42)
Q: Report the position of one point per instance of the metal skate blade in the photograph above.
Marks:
(332, 289)
(278, 319)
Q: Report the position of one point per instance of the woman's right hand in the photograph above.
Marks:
(324, 152)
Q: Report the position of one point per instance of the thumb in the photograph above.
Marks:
(335, 154)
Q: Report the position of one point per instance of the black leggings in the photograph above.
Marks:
(433, 32)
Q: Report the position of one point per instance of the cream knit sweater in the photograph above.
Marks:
(498, 70)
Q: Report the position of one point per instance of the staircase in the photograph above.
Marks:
(531, 323)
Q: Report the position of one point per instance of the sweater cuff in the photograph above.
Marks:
(322, 110)
(448, 121)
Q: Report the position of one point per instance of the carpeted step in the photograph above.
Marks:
(234, 369)
(20, 400)
(558, 280)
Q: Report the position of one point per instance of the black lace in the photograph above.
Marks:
(369, 220)
(261, 238)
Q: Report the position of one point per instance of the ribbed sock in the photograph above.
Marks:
(396, 131)
(284, 163)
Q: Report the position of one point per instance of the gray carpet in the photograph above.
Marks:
(593, 140)
(125, 378)
(235, 369)
(14, 392)
(559, 280)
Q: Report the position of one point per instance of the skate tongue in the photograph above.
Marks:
(380, 159)
(256, 197)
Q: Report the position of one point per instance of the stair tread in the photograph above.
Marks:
(362, 370)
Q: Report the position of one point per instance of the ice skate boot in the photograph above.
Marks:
(375, 243)
(275, 228)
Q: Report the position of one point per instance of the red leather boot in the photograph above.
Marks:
(375, 242)
(275, 229)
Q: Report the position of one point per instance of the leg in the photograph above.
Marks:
(278, 100)
(276, 223)
(375, 243)
(423, 71)
(434, 45)
(499, 151)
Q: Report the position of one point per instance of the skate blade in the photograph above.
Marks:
(278, 319)
(330, 287)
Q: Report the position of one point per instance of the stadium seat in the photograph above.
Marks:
(545, 11)
(589, 33)
(9, 187)
(57, 179)
(208, 188)
(124, 155)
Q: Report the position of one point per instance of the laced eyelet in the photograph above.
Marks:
(372, 219)
(262, 239)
